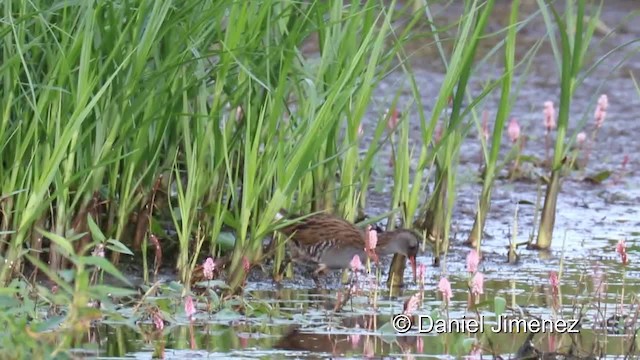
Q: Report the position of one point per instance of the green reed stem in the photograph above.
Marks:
(573, 50)
(504, 109)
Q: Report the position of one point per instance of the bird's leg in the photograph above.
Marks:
(321, 269)
(283, 267)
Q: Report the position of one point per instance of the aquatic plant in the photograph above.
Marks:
(504, 109)
(572, 52)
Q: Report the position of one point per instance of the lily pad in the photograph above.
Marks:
(227, 315)
(387, 332)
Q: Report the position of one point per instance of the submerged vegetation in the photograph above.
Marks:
(166, 137)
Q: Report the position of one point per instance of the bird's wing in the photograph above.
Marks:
(323, 228)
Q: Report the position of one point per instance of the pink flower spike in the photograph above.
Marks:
(549, 115)
(601, 110)
(419, 345)
(393, 119)
(158, 321)
(603, 102)
(513, 130)
(189, 307)
(437, 134)
(371, 241)
(477, 284)
(472, 261)
(421, 272)
(581, 138)
(355, 338)
(355, 263)
(208, 268)
(621, 249)
(368, 350)
(444, 286)
(411, 305)
(246, 265)
(554, 281)
(475, 353)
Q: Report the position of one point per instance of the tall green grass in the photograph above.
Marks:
(576, 31)
(110, 107)
(107, 108)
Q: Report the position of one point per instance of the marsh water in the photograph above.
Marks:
(294, 320)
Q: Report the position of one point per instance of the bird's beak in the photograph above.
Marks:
(412, 260)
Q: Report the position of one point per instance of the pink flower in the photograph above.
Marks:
(477, 284)
(372, 238)
(208, 268)
(419, 345)
(437, 135)
(549, 115)
(421, 272)
(581, 138)
(601, 110)
(355, 338)
(189, 307)
(370, 243)
(393, 119)
(513, 130)
(355, 263)
(444, 286)
(475, 353)
(411, 305)
(621, 249)
(554, 281)
(158, 321)
(246, 265)
(244, 340)
(472, 261)
(552, 343)
(368, 350)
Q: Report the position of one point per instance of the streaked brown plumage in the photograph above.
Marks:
(328, 242)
